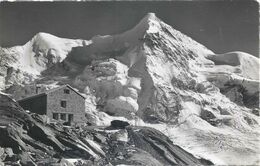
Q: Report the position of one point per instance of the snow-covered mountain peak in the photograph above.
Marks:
(150, 16)
(132, 36)
(150, 23)
(25, 63)
(149, 30)
(44, 40)
(44, 36)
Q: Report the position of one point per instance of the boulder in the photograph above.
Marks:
(9, 152)
(119, 124)
(256, 112)
(209, 116)
(121, 135)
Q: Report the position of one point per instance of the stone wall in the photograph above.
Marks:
(75, 104)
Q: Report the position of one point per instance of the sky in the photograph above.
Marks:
(221, 26)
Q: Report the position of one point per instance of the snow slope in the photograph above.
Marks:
(248, 65)
(235, 68)
(22, 64)
(153, 75)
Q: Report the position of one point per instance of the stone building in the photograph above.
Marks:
(63, 104)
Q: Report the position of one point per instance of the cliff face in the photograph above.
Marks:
(153, 75)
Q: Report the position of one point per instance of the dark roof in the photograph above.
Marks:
(52, 90)
(31, 97)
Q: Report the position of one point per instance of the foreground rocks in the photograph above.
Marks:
(34, 142)
(26, 140)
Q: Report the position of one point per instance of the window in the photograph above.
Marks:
(63, 104)
(70, 117)
(66, 91)
(63, 116)
(55, 116)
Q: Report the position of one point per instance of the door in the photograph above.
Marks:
(70, 119)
